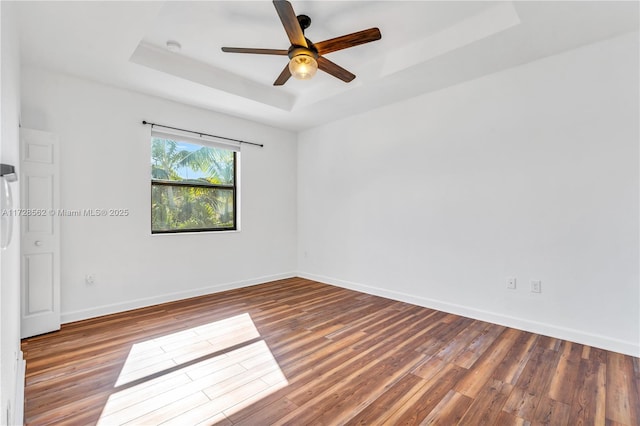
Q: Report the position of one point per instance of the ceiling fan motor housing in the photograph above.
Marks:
(299, 50)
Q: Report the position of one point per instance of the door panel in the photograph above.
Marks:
(40, 229)
(39, 195)
(38, 269)
(36, 152)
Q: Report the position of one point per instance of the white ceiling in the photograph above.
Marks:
(425, 46)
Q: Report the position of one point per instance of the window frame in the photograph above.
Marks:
(181, 184)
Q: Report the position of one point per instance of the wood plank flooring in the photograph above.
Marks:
(299, 352)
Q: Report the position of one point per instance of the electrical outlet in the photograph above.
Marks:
(536, 286)
(511, 283)
(90, 279)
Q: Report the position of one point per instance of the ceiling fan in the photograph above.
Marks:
(305, 56)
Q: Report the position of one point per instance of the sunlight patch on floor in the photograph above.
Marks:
(193, 376)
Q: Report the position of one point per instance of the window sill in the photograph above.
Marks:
(161, 234)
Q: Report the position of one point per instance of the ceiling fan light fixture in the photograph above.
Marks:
(303, 67)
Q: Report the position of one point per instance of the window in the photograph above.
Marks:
(193, 186)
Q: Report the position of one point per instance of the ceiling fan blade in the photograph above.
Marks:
(290, 22)
(258, 51)
(334, 69)
(349, 40)
(283, 77)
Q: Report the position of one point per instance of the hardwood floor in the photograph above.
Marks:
(299, 352)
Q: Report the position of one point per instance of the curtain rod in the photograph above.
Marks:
(201, 134)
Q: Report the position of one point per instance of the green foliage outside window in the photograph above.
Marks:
(192, 187)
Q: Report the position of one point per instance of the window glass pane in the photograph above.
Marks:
(175, 208)
(181, 161)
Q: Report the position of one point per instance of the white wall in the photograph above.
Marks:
(105, 163)
(11, 373)
(531, 172)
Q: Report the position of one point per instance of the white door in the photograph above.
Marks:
(40, 232)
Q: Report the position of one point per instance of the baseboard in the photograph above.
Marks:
(97, 311)
(573, 335)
